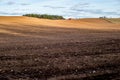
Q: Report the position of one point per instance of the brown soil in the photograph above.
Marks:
(39, 49)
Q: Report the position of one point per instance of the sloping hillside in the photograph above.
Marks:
(114, 20)
(91, 23)
(42, 49)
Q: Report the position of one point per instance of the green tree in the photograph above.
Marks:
(45, 16)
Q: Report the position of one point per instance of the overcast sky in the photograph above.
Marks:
(66, 8)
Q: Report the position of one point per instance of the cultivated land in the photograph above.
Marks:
(41, 49)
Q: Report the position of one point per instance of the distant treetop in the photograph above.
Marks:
(103, 17)
(45, 16)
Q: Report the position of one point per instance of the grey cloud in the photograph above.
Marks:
(1, 12)
(24, 4)
(54, 7)
(10, 3)
(9, 13)
(13, 3)
(80, 5)
(77, 10)
(83, 8)
(97, 11)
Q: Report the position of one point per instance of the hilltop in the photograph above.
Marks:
(87, 23)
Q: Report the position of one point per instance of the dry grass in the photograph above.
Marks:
(114, 20)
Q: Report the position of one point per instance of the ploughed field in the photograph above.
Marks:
(39, 49)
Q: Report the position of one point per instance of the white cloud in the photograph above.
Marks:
(67, 8)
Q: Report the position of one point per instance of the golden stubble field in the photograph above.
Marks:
(42, 49)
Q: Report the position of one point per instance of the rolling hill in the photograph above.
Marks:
(42, 49)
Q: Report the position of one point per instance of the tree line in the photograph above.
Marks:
(45, 16)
